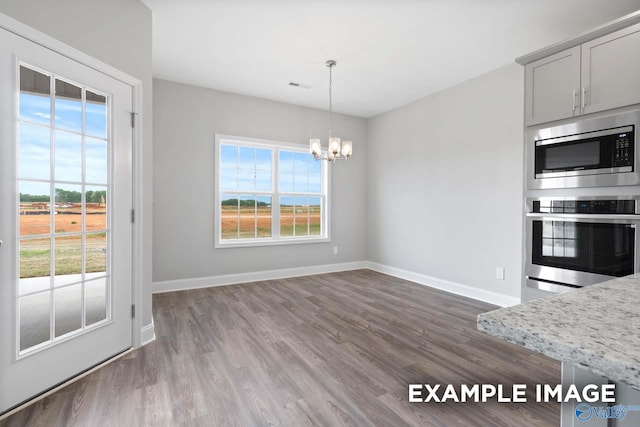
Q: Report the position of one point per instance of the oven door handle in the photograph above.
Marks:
(571, 216)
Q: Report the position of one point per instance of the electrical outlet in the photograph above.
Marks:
(500, 273)
(335, 250)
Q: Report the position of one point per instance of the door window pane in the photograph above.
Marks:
(35, 258)
(96, 115)
(68, 309)
(95, 218)
(68, 149)
(96, 161)
(68, 106)
(68, 208)
(35, 96)
(34, 152)
(68, 260)
(95, 301)
(35, 325)
(96, 253)
(35, 206)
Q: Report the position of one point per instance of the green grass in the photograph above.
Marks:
(35, 256)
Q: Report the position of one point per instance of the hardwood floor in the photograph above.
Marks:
(332, 349)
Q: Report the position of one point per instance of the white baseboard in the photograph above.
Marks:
(422, 279)
(232, 279)
(147, 334)
(445, 285)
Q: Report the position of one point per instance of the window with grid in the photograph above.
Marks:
(268, 193)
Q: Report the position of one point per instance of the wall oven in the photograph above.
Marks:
(580, 241)
(588, 153)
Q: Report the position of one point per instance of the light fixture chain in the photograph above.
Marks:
(330, 100)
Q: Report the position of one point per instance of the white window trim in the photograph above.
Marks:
(275, 213)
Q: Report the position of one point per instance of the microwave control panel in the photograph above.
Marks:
(623, 150)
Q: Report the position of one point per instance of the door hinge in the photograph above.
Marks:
(133, 310)
(133, 119)
(133, 216)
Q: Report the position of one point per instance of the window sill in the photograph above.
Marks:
(251, 243)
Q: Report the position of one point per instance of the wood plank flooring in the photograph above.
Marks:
(330, 350)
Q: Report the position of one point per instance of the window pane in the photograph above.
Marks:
(35, 96)
(68, 106)
(68, 309)
(263, 180)
(315, 216)
(286, 216)
(35, 205)
(247, 158)
(301, 216)
(95, 254)
(68, 149)
(95, 218)
(68, 260)
(229, 178)
(35, 326)
(68, 208)
(96, 161)
(315, 166)
(247, 217)
(229, 216)
(96, 115)
(286, 161)
(315, 184)
(95, 301)
(301, 184)
(35, 152)
(263, 211)
(286, 182)
(228, 156)
(246, 180)
(263, 159)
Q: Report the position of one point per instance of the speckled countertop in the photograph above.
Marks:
(596, 327)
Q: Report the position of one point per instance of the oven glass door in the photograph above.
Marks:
(593, 247)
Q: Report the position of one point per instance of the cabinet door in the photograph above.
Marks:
(552, 87)
(611, 70)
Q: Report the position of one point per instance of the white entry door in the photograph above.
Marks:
(65, 218)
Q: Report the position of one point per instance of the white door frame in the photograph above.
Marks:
(140, 336)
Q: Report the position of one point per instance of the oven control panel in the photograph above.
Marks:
(621, 207)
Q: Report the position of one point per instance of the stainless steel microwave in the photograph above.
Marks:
(599, 152)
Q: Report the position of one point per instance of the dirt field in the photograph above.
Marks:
(258, 224)
(35, 254)
(67, 220)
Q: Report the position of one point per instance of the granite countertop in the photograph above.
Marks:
(596, 327)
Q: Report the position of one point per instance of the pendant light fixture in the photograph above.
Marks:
(336, 149)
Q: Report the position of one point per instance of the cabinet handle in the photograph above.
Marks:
(584, 97)
(574, 100)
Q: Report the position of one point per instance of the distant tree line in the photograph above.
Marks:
(246, 203)
(65, 196)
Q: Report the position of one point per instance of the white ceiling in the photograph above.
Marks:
(389, 52)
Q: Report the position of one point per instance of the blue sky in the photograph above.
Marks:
(249, 169)
(35, 148)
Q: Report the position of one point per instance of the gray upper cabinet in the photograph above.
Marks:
(598, 75)
(551, 87)
(611, 70)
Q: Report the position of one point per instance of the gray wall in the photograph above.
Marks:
(117, 32)
(445, 183)
(186, 119)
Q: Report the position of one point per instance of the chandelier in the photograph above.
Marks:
(337, 149)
